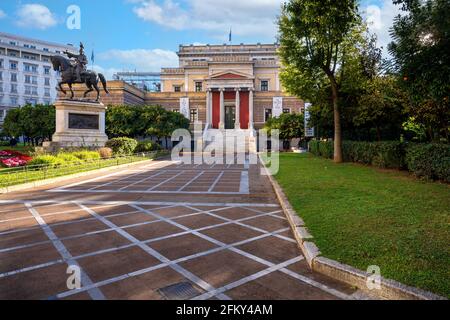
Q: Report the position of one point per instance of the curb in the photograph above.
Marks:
(40, 183)
(389, 289)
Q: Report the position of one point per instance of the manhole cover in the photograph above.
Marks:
(179, 291)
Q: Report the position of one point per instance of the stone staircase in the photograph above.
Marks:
(242, 140)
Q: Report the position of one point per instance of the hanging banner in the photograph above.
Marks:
(184, 107)
(277, 108)
(309, 132)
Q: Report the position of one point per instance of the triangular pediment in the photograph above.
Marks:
(230, 75)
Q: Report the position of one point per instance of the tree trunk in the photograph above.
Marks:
(378, 133)
(337, 122)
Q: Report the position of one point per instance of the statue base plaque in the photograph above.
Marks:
(79, 124)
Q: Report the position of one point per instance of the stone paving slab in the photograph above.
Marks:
(142, 229)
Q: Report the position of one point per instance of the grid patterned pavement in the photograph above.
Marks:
(166, 177)
(132, 250)
(141, 231)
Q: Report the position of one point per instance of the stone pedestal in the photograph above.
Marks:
(79, 124)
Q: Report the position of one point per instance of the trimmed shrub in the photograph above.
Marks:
(430, 161)
(105, 153)
(46, 160)
(122, 146)
(147, 146)
(68, 157)
(322, 148)
(86, 155)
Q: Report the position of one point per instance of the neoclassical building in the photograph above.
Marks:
(222, 86)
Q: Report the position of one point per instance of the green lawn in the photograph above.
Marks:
(364, 216)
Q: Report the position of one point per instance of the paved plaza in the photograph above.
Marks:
(158, 230)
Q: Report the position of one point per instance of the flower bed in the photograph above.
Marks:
(11, 159)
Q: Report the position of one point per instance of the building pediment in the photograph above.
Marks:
(231, 75)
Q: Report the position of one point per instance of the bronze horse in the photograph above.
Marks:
(89, 78)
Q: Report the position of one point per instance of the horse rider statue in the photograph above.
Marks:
(73, 72)
(81, 62)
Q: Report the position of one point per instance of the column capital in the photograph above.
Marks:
(251, 89)
(237, 89)
(221, 89)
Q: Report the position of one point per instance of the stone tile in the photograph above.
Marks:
(48, 209)
(78, 228)
(130, 219)
(95, 242)
(199, 221)
(117, 263)
(153, 230)
(143, 287)
(66, 217)
(181, 246)
(267, 223)
(272, 249)
(173, 212)
(22, 238)
(236, 213)
(34, 285)
(105, 211)
(27, 257)
(221, 268)
(231, 233)
(18, 224)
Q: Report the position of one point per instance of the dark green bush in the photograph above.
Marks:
(122, 146)
(147, 146)
(430, 161)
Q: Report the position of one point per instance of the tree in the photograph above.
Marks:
(312, 38)
(35, 123)
(121, 121)
(422, 59)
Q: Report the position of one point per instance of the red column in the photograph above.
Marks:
(244, 112)
(215, 109)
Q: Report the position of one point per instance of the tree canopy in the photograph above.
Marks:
(316, 42)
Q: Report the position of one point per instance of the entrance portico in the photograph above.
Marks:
(230, 101)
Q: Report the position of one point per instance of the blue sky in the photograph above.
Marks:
(145, 34)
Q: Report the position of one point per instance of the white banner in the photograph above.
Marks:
(309, 132)
(184, 107)
(277, 108)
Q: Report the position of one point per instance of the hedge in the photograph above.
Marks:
(431, 161)
(122, 146)
(147, 146)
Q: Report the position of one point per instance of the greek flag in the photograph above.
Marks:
(230, 36)
(92, 56)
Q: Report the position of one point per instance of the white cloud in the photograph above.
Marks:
(2, 14)
(246, 17)
(141, 59)
(35, 16)
(107, 72)
(380, 19)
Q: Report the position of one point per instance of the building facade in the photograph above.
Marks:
(222, 86)
(26, 73)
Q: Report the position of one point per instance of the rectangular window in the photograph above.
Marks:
(28, 79)
(286, 110)
(45, 49)
(34, 91)
(1, 75)
(1, 86)
(13, 65)
(1, 64)
(13, 77)
(13, 43)
(198, 86)
(176, 88)
(2, 115)
(264, 85)
(267, 114)
(28, 90)
(47, 70)
(47, 81)
(47, 92)
(194, 115)
(13, 88)
(34, 80)
(14, 101)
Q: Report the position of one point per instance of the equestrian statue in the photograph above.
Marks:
(75, 71)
